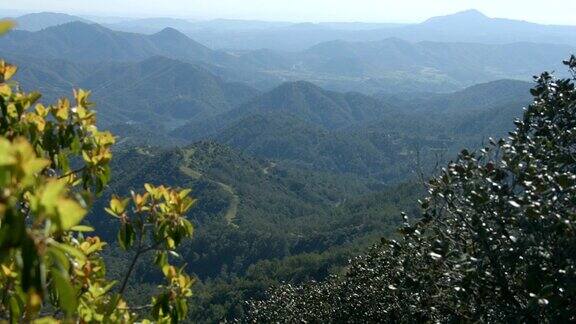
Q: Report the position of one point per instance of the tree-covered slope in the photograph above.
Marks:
(294, 125)
(318, 106)
(256, 223)
(240, 198)
(292, 141)
(159, 92)
(494, 242)
(302, 100)
(164, 90)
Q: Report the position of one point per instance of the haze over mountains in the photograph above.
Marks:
(467, 26)
(366, 58)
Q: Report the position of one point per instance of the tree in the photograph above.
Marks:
(53, 161)
(496, 241)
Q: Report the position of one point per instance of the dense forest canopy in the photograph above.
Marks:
(495, 242)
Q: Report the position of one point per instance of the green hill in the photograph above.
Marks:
(301, 100)
(164, 90)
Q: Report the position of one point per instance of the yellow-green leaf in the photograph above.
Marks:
(6, 25)
(70, 213)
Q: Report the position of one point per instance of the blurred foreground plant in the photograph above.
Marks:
(53, 161)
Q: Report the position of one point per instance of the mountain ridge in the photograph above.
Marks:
(41, 20)
(85, 42)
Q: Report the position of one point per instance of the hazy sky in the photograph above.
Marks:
(551, 11)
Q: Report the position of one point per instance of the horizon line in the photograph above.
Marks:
(16, 13)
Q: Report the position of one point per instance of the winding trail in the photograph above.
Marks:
(232, 211)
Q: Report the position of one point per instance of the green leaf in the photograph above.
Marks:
(59, 257)
(66, 292)
(161, 259)
(50, 197)
(63, 163)
(181, 308)
(82, 228)
(68, 249)
(118, 206)
(16, 307)
(113, 303)
(126, 236)
(184, 193)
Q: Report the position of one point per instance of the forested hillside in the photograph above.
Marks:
(494, 241)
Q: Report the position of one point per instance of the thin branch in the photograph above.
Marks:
(136, 308)
(155, 246)
(135, 259)
(129, 272)
(72, 172)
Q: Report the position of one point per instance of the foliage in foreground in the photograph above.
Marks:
(53, 160)
(496, 242)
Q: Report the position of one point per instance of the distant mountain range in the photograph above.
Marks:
(466, 26)
(389, 65)
(84, 42)
(298, 123)
(178, 87)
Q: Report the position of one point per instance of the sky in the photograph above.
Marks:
(406, 11)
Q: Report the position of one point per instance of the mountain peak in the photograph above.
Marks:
(471, 13)
(171, 34)
(459, 17)
(170, 31)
